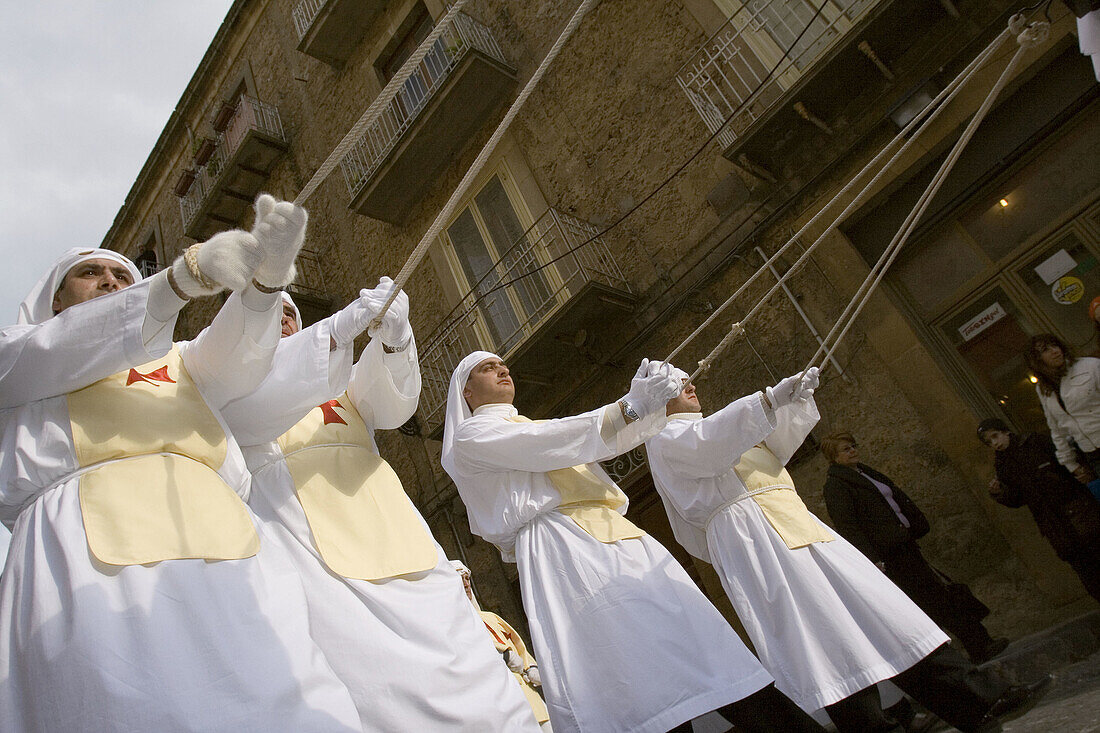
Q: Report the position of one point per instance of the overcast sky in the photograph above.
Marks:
(85, 89)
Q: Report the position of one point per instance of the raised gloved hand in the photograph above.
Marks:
(225, 261)
(281, 230)
(357, 315)
(795, 388)
(649, 394)
(533, 677)
(395, 329)
(513, 660)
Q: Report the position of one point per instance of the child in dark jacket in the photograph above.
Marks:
(1029, 474)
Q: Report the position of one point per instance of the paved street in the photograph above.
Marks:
(1072, 705)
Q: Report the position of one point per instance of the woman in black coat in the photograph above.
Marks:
(872, 513)
(1028, 474)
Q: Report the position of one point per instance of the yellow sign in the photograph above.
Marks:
(1067, 290)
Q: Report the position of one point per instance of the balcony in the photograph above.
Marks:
(840, 54)
(308, 289)
(244, 155)
(540, 324)
(450, 95)
(329, 30)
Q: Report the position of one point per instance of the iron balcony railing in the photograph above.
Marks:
(310, 277)
(502, 320)
(148, 268)
(304, 14)
(251, 114)
(736, 61)
(463, 35)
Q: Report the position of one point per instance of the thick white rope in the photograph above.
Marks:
(912, 131)
(378, 106)
(475, 168)
(1026, 36)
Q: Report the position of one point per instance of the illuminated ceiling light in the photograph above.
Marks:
(1034, 379)
(1003, 203)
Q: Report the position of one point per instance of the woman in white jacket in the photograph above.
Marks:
(1069, 391)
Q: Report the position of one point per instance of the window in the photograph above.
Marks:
(487, 244)
(147, 262)
(414, 92)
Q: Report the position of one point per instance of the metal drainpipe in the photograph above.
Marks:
(458, 543)
(801, 313)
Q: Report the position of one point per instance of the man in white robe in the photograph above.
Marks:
(509, 644)
(823, 619)
(385, 607)
(624, 638)
(140, 594)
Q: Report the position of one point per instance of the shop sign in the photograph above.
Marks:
(982, 321)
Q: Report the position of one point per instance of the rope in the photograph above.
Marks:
(922, 120)
(448, 320)
(1027, 36)
(448, 210)
(376, 107)
(736, 331)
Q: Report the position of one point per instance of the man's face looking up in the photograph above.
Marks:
(91, 279)
(489, 383)
(289, 320)
(686, 401)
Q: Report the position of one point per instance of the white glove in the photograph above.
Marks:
(796, 388)
(395, 329)
(352, 320)
(281, 230)
(810, 380)
(357, 315)
(225, 261)
(533, 677)
(647, 394)
(513, 660)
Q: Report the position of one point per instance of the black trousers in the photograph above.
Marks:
(912, 573)
(765, 711)
(944, 682)
(1087, 567)
(861, 712)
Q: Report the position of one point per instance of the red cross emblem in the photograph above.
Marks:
(157, 375)
(328, 409)
(496, 636)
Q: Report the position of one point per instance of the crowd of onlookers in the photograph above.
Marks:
(1053, 474)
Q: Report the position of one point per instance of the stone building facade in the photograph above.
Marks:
(625, 106)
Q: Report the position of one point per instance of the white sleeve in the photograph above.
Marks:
(710, 446)
(233, 354)
(79, 346)
(1064, 448)
(304, 373)
(793, 423)
(485, 443)
(385, 388)
(162, 309)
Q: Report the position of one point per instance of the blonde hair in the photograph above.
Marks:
(830, 444)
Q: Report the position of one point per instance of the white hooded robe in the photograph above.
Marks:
(625, 640)
(823, 619)
(176, 645)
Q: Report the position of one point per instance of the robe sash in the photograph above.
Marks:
(772, 488)
(150, 449)
(363, 524)
(591, 502)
